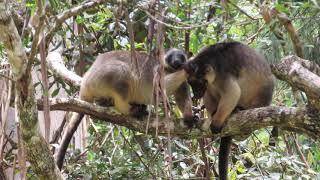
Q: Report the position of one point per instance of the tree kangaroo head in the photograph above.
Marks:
(199, 76)
(175, 59)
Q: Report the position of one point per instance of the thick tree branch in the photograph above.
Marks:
(37, 150)
(56, 65)
(38, 31)
(295, 71)
(239, 125)
(11, 41)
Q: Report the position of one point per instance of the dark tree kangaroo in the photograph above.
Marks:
(229, 76)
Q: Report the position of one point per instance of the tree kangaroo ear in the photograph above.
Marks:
(191, 68)
(208, 69)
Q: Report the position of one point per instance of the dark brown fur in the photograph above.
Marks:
(228, 76)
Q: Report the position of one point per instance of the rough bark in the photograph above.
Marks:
(2, 174)
(295, 71)
(37, 150)
(239, 125)
(56, 65)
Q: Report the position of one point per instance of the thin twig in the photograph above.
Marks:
(241, 10)
(96, 38)
(259, 169)
(288, 149)
(106, 137)
(298, 148)
(204, 158)
(176, 27)
(251, 38)
(45, 90)
(151, 28)
(160, 55)
(131, 39)
(187, 32)
(155, 84)
(25, 24)
(13, 144)
(113, 151)
(14, 167)
(7, 77)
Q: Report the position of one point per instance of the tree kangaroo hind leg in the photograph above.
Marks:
(104, 101)
(138, 110)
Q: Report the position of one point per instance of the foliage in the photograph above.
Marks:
(118, 153)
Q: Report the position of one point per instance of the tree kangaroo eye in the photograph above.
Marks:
(182, 58)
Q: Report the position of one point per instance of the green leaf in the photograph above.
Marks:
(194, 42)
(55, 92)
(310, 158)
(54, 4)
(80, 20)
(281, 8)
(36, 84)
(90, 156)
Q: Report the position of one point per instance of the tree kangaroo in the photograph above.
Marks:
(112, 80)
(229, 76)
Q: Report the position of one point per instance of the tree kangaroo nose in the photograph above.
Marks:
(177, 63)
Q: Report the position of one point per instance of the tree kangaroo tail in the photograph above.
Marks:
(225, 145)
(71, 128)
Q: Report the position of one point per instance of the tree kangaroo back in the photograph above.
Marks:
(112, 76)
